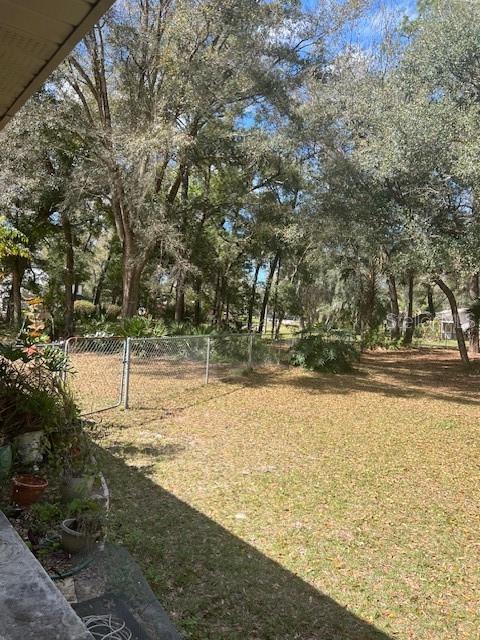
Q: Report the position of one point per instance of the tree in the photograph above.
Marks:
(12, 241)
(150, 82)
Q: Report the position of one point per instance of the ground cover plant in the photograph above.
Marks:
(304, 505)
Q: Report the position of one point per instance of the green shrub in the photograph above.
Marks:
(328, 332)
(261, 350)
(142, 327)
(83, 309)
(229, 349)
(44, 516)
(112, 311)
(32, 395)
(320, 353)
(99, 327)
(188, 329)
(375, 339)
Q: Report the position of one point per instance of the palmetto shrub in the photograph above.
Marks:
(376, 339)
(323, 353)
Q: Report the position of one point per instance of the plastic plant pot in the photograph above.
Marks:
(27, 489)
(74, 541)
(77, 487)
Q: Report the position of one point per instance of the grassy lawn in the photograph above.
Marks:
(306, 506)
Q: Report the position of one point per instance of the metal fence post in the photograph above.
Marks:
(250, 351)
(207, 363)
(126, 374)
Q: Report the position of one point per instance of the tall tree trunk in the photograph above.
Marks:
(431, 306)
(97, 296)
(9, 314)
(181, 280)
(132, 274)
(180, 299)
(253, 294)
(456, 319)
(281, 315)
(197, 312)
(431, 313)
(410, 328)
(220, 302)
(371, 295)
(474, 346)
(394, 307)
(134, 263)
(227, 310)
(266, 295)
(18, 271)
(275, 297)
(68, 276)
(215, 299)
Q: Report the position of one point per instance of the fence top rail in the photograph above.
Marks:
(201, 336)
(72, 338)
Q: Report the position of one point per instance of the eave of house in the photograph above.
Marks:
(35, 37)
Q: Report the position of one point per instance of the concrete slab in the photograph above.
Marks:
(30, 604)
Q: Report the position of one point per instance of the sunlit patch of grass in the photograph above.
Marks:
(361, 487)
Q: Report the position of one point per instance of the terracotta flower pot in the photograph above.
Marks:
(27, 489)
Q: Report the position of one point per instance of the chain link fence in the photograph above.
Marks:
(162, 372)
(150, 372)
(96, 372)
(160, 369)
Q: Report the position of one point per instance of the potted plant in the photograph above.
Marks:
(79, 467)
(29, 405)
(84, 526)
(41, 521)
(9, 422)
(27, 489)
(78, 483)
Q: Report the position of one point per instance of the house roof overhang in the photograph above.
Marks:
(35, 37)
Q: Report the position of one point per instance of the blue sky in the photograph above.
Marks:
(369, 28)
(366, 32)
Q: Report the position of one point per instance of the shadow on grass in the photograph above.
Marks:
(405, 375)
(214, 585)
(186, 398)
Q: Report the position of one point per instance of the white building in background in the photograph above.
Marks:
(447, 327)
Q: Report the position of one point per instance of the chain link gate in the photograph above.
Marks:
(97, 372)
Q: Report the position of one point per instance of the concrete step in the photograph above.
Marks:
(31, 606)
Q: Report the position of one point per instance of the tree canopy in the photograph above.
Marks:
(229, 162)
